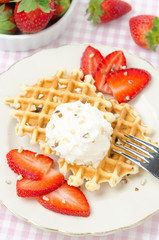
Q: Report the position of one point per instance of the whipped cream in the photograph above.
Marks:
(79, 133)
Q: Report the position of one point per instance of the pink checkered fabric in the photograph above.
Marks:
(115, 33)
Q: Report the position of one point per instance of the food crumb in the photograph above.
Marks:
(91, 55)
(124, 181)
(33, 108)
(63, 201)
(143, 182)
(19, 177)
(127, 98)
(136, 189)
(125, 73)
(78, 90)
(8, 181)
(55, 99)
(20, 149)
(45, 198)
(40, 95)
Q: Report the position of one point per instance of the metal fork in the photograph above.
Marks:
(151, 160)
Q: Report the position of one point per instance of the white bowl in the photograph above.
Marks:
(25, 42)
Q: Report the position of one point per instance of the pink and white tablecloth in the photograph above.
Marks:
(115, 33)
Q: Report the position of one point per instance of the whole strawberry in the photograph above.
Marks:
(102, 11)
(61, 7)
(33, 16)
(145, 31)
(7, 21)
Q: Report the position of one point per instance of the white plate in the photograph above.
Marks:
(112, 209)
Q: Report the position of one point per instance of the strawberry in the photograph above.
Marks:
(110, 63)
(61, 7)
(126, 84)
(67, 200)
(90, 60)
(28, 164)
(33, 16)
(145, 31)
(5, 1)
(103, 11)
(7, 21)
(32, 188)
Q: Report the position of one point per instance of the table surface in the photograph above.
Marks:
(115, 33)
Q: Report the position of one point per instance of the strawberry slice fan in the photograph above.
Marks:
(111, 63)
(112, 76)
(39, 179)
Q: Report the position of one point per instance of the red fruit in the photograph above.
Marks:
(145, 31)
(7, 21)
(90, 60)
(126, 84)
(61, 7)
(5, 1)
(32, 188)
(106, 10)
(32, 21)
(27, 164)
(67, 200)
(110, 63)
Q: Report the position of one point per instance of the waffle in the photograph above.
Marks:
(33, 110)
(113, 167)
(35, 106)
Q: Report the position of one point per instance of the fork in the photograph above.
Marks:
(151, 160)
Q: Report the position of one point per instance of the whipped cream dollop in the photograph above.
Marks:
(79, 133)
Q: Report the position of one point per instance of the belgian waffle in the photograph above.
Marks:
(33, 110)
(35, 106)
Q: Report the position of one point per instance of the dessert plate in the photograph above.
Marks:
(112, 209)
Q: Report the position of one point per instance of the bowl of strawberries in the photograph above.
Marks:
(27, 25)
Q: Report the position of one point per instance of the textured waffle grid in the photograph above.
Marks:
(113, 167)
(34, 108)
(36, 105)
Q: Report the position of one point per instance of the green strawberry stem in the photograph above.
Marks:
(65, 4)
(95, 11)
(31, 5)
(153, 35)
(5, 24)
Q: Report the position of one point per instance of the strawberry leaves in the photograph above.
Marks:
(95, 10)
(153, 35)
(28, 6)
(5, 25)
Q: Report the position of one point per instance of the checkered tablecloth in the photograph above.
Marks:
(115, 33)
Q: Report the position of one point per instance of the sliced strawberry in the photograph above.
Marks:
(32, 188)
(67, 200)
(90, 60)
(126, 84)
(28, 164)
(110, 63)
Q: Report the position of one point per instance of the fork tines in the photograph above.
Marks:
(147, 154)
